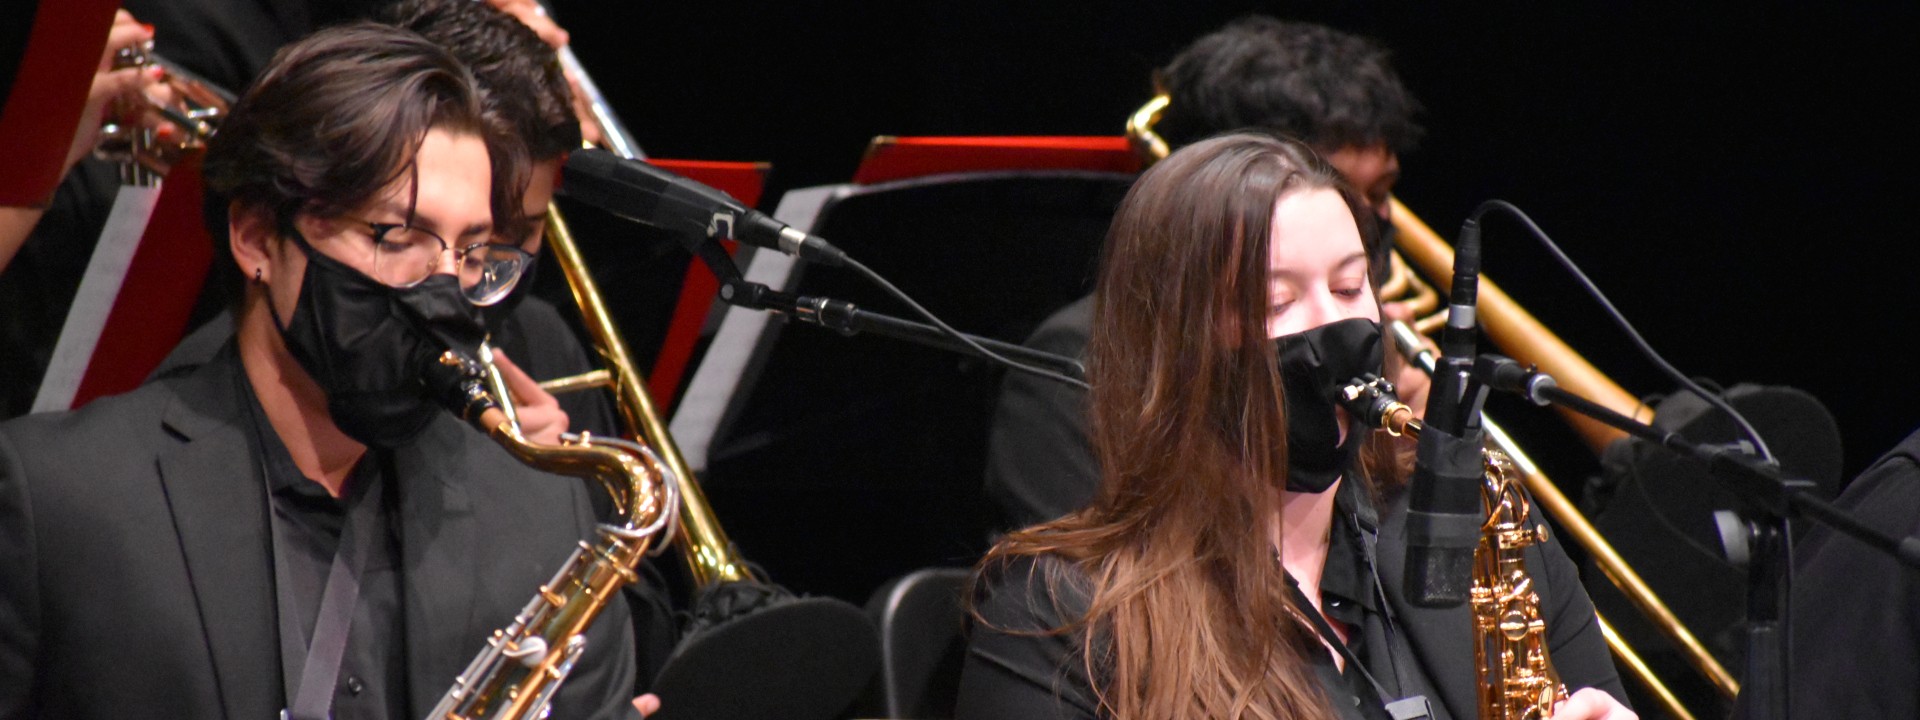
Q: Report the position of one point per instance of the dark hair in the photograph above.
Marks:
(1188, 427)
(337, 117)
(519, 74)
(1327, 88)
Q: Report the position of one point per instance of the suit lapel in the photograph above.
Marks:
(218, 502)
(440, 560)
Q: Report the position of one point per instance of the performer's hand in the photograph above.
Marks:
(1409, 382)
(541, 419)
(534, 15)
(110, 84)
(647, 704)
(1591, 704)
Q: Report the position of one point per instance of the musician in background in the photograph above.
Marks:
(1243, 555)
(1334, 91)
(1855, 611)
(108, 85)
(295, 523)
(44, 247)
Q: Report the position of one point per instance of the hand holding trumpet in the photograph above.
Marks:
(124, 90)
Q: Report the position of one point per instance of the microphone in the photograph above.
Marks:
(640, 192)
(1444, 511)
(1506, 375)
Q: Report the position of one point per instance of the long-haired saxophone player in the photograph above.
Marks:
(1239, 559)
(1336, 92)
(296, 525)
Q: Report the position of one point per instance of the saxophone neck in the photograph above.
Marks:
(641, 488)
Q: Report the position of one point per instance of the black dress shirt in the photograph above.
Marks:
(306, 527)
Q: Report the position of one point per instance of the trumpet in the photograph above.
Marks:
(1517, 333)
(523, 664)
(134, 134)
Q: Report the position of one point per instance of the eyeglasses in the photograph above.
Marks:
(404, 256)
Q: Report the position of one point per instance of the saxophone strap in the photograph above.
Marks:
(311, 669)
(1408, 708)
(1363, 521)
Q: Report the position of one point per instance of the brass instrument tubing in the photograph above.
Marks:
(1639, 666)
(1146, 143)
(574, 383)
(709, 554)
(1516, 331)
(497, 386)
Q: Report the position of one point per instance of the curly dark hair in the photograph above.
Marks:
(1327, 88)
(519, 73)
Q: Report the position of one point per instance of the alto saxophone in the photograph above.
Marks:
(1514, 675)
(522, 665)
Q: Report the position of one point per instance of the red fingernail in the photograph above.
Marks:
(148, 26)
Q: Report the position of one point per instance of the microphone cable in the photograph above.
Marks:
(1620, 320)
(982, 351)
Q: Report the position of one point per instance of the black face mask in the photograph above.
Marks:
(367, 344)
(1314, 365)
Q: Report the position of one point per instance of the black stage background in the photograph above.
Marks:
(1732, 176)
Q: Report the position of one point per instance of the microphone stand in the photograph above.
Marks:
(849, 319)
(1772, 503)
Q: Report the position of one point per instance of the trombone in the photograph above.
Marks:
(1515, 331)
(710, 557)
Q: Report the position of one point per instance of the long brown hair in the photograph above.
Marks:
(1189, 614)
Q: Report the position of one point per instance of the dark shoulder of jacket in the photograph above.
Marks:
(112, 421)
(1066, 330)
(1032, 594)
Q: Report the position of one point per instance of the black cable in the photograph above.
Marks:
(956, 334)
(1620, 320)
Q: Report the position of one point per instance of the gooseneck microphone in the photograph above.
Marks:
(1444, 512)
(640, 192)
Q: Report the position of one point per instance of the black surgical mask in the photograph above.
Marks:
(1314, 365)
(366, 344)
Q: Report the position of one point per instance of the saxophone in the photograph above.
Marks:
(522, 665)
(1515, 678)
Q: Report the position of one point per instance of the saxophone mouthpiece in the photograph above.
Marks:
(1370, 399)
(459, 383)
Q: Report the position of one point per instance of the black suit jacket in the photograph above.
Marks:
(1040, 464)
(1855, 611)
(136, 576)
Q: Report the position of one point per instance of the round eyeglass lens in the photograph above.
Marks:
(488, 271)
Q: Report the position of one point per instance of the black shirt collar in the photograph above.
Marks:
(1347, 579)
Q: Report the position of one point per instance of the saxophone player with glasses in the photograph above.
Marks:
(1243, 556)
(296, 527)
